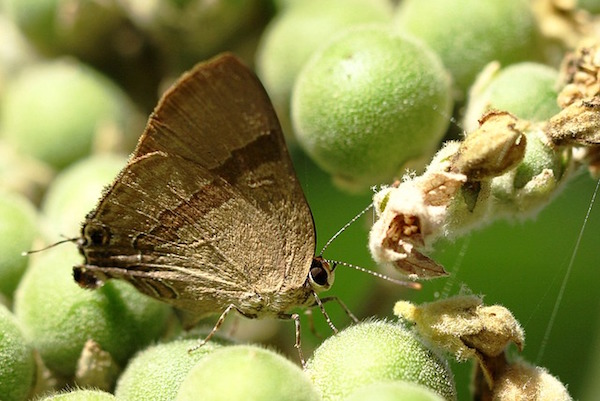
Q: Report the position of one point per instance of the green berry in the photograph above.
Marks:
(468, 34)
(156, 373)
(79, 27)
(281, 56)
(17, 367)
(534, 182)
(59, 317)
(373, 352)
(370, 103)
(394, 391)
(246, 372)
(527, 90)
(81, 395)
(76, 191)
(54, 111)
(18, 227)
(188, 31)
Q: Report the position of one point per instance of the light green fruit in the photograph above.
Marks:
(76, 191)
(527, 90)
(394, 391)
(17, 367)
(369, 104)
(246, 372)
(156, 373)
(18, 227)
(80, 27)
(281, 55)
(54, 111)
(58, 316)
(468, 34)
(534, 182)
(373, 352)
(81, 395)
(15, 51)
(191, 30)
(23, 174)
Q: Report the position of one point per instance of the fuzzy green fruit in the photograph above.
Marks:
(373, 352)
(280, 55)
(81, 395)
(17, 367)
(523, 191)
(54, 111)
(246, 372)
(369, 104)
(18, 227)
(156, 373)
(394, 391)
(58, 316)
(468, 34)
(527, 90)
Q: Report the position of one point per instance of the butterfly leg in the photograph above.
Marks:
(298, 343)
(343, 305)
(215, 328)
(324, 312)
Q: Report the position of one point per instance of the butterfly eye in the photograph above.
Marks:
(320, 275)
(96, 235)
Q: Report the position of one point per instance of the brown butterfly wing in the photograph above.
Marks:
(208, 211)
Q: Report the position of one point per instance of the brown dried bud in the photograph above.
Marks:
(580, 73)
(491, 150)
(522, 381)
(463, 326)
(578, 124)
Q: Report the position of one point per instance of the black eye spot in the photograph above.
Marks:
(318, 273)
(96, 235)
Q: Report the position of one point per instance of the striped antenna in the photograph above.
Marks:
(409, 284)
(348, 224)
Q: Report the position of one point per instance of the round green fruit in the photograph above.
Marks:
(54, 111)
(372, 352)
(58, 316)
(246, 372)
(468, 34)
(527, 90)
(280, 55)
(156, 373)
(394, 391)
(81, 395)
(18, 227)
(17, 367)
(371, 104)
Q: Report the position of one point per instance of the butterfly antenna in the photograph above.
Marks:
(348, 224)
(26, 253)
(409, 284)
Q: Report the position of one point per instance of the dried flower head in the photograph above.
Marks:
(464, 326)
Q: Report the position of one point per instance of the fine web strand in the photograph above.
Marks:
(453, 279)
(563, 285)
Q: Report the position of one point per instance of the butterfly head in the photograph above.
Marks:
(321, 274)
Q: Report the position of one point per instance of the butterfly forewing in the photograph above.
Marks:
(208, 211)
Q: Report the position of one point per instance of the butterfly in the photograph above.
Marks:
(208, 214)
